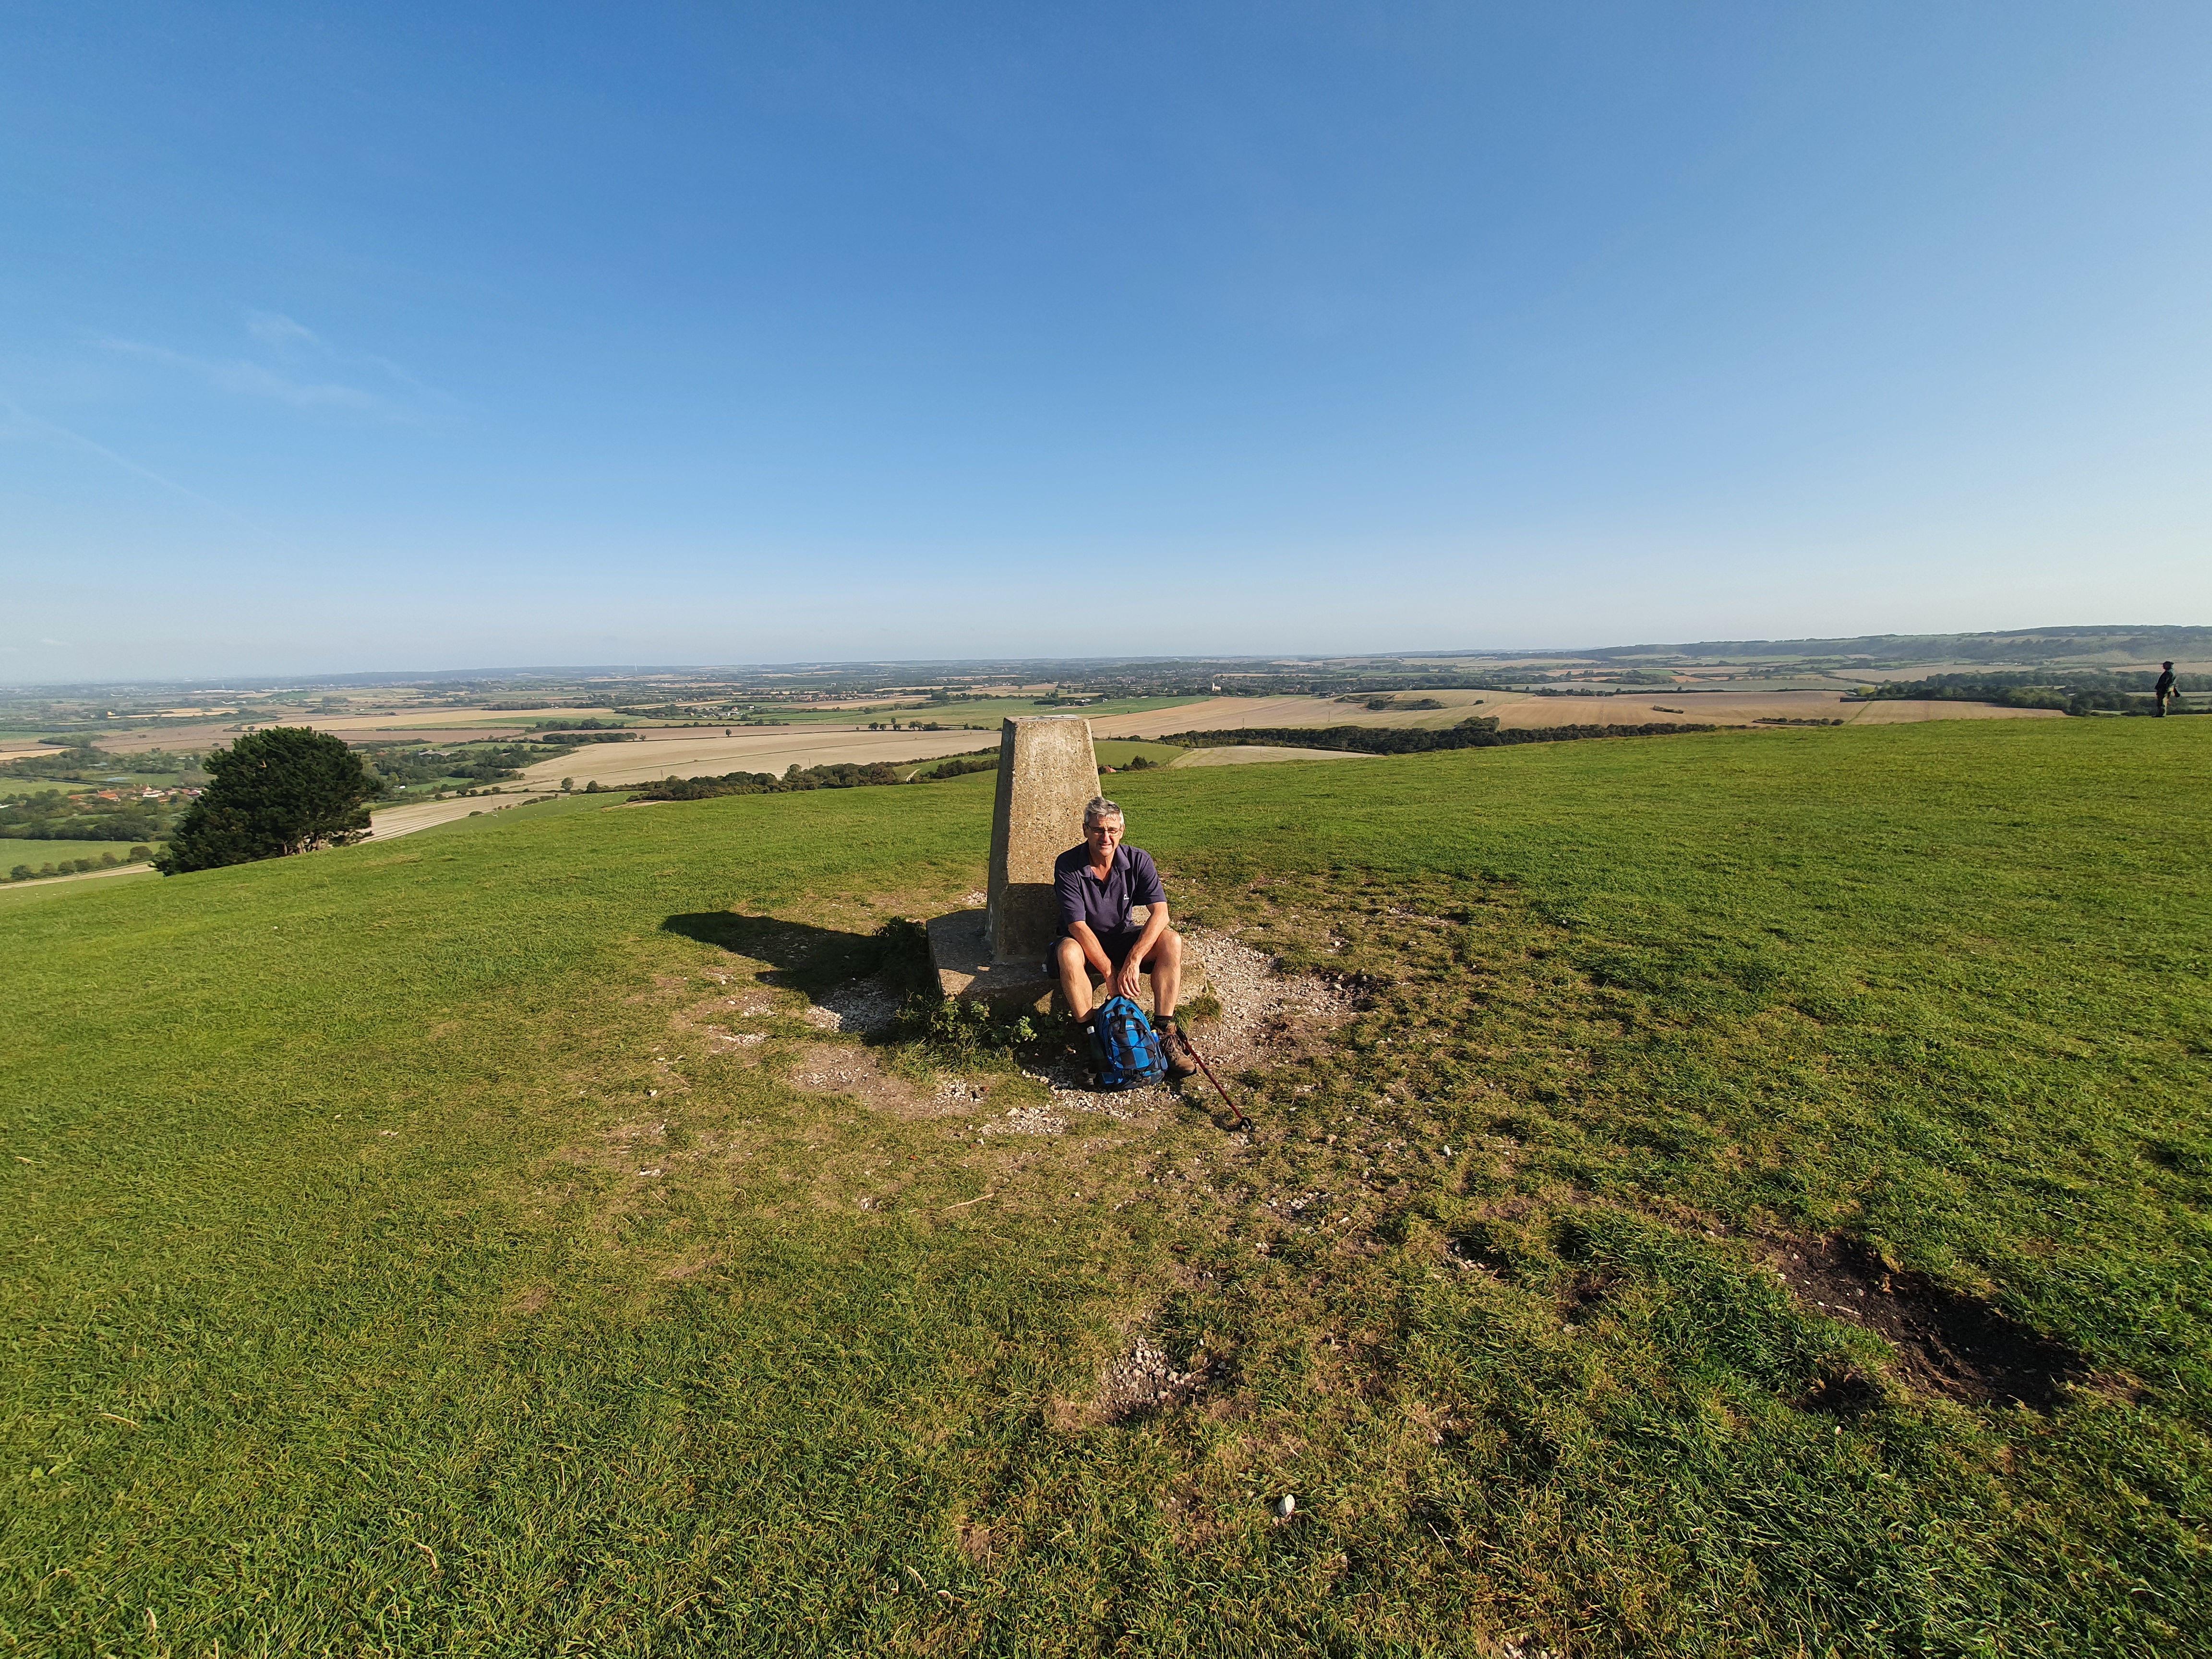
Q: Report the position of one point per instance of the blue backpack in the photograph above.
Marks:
(1124, 1048)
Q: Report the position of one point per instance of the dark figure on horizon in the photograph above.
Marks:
(2162, 693)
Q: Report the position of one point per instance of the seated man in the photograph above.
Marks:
(1099, 882)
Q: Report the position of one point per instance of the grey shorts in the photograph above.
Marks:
(1116, 944)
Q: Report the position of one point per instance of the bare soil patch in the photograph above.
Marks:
(838, 1070)
(1946, 1340)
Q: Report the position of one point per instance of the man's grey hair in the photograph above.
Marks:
(1097, 810)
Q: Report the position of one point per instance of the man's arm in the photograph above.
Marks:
(1129, 977)
(1144, 889)
(1069, 885)
(1093, 951)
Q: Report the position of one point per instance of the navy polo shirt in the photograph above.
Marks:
(1132, 878)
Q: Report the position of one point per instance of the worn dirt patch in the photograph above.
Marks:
(1946, 1340)
(835, 1070)
(1267, 1018)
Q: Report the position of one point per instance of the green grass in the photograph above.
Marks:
(339, 1315)
(1120, 752)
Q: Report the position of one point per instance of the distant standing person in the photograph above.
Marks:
(1099, 882)
(2162, 693)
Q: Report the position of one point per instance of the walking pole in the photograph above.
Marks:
(1242, 1121)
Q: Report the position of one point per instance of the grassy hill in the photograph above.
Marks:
(464, 1245)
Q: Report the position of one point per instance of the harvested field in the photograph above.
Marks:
(1230, 713)
(388, 823)
(439, 719)
(444, 724)
(1524, 710)
(694, 753)
(1249, 754)
(1896, 711)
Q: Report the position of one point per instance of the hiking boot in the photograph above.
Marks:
(1176, 1053)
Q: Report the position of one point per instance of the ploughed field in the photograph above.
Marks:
(1754, 1200)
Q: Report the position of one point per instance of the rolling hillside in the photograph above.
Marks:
(1755, 1202)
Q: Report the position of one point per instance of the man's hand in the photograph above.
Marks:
(1129, 977)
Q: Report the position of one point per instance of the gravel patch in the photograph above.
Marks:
(1265, 1019)
(1026, 1121)
(860, 1007)
(1142, 1380)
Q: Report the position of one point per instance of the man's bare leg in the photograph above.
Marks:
(1074, 979)
(1166, 964)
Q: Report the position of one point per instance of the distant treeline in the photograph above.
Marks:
(567, 739)
(845, 776)
(82, 761)
(982, 760)
(2073, 691)
(1480, 732)
(76, 867)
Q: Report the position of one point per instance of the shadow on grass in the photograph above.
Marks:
(811, 960)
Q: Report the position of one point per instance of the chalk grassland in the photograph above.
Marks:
(445, 1247)
(1516, 710)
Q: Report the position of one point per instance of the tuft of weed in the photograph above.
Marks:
(962, 1032)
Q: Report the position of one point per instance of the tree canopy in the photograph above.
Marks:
(285, 790)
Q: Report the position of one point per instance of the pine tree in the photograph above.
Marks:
(284, 790)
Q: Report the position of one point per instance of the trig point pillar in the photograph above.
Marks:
(1046, 771)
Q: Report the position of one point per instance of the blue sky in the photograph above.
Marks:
(399, 336)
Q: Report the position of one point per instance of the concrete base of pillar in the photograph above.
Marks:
(960, 950)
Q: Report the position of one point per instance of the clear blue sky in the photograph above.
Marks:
(408, 337)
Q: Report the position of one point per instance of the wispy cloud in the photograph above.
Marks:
(277, 330)
(21, 422)
(253, 379)
(298, 367)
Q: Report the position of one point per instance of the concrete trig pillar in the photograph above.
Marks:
(1047, 771)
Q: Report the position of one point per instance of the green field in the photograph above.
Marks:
(395, 1262)
(1120, 752)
